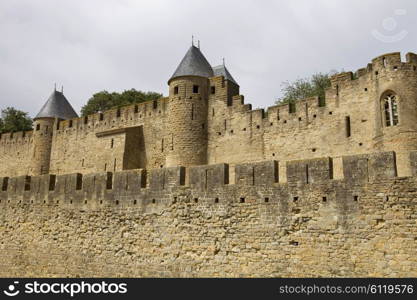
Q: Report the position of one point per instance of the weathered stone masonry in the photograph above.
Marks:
(138, 223)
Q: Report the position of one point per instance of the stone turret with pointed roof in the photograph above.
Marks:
(55, 109)
(187, 110)
(193, 64)
(223, 71)
(57, 106)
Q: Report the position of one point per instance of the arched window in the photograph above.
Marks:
(390, 109)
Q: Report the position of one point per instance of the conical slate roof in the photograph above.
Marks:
(193, 64)
(57, 106)
(222, 71)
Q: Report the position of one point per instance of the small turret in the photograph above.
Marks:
(232, 87)
(55, 109)
(223, 71)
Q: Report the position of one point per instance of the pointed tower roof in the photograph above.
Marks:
(193, 64)
(57, 106)
(223, 71)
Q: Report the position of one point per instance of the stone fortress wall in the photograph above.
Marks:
(315, 128)
(16, 152)
(217, 124)
(138, 223)
(199, 184)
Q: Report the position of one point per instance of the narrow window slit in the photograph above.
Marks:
(347, 124)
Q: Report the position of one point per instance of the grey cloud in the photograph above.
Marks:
(93, 45)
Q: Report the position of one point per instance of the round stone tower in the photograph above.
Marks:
(187, 111)
(42, 144)
(57, 108)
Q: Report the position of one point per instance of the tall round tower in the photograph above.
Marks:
(187, 111)
(57, 108)
(42, 144)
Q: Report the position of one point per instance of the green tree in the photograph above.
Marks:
(100, 101)
(305, 88)
(13, 120)
(104, 100)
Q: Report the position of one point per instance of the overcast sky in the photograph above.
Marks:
(94, 45)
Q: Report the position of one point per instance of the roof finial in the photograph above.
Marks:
(198, 44)
(192, 40)
(55, 86)
(62, 89)
(224, 62)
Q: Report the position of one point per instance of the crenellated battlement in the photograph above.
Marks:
(384, 67)
(381, 66)
(139, 188)
(16, 137)
(117, 117)
(349, 120)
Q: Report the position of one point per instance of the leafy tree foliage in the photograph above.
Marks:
(104, 100)
(305, 88)
(13, 120)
